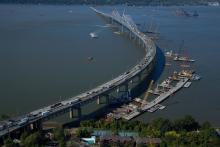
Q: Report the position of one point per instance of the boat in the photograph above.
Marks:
(169, 53)
(117, 32)
(183, 59)
(168, 64)
(162, 107)
(93, 35)
(90, 58)
(153, 109)
(195, 77)
(187, 84)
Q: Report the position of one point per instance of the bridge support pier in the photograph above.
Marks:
(126, 87)
(71, 112)
(127, 91)
(118, 89)
(130, 34)
(36, 125)
(139, 77)
(139, 41)
(98, 100)
(107, 99)
(79, 112)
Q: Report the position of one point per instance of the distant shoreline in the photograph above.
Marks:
(111, 2)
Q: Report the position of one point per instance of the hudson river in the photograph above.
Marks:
(44, 53)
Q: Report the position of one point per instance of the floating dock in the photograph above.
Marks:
(164, 90)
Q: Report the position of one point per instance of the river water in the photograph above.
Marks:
(44, 54)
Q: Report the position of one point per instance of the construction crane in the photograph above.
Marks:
(180, 50)
(144, 102)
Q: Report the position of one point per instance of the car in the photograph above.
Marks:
(45, 113)
(10, 123)
(56, 105)
(23, 121)
(74, 101)
(2, 127)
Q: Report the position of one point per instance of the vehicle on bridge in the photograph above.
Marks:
(45, 113)
(2, 126)
(56, 105)
(23, 121)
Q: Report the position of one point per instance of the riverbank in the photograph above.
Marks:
(185, 131)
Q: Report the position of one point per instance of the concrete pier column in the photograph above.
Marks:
(76, 110)
(98, 100)
(126, 87)
(118, 89)
(135, 37)
(129, 94)
(107, 99)
(139, 78)
(79, 110)
(71, 112)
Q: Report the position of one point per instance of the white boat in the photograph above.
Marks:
(162, 107)
(93, 35)
(169, 54)
(117, 32)
(187, 84)
(183, 59)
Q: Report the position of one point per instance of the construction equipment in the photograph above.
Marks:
(144, 101)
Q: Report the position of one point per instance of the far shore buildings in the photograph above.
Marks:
(213, 4)
(117, 140)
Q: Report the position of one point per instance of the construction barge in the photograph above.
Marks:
(167, 88)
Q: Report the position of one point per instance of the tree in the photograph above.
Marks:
(206, 125)
(187, 123)
(4, 116)
(9, 143)
(60, 136)
(32, 140)
(160, 124)
(83, 132)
